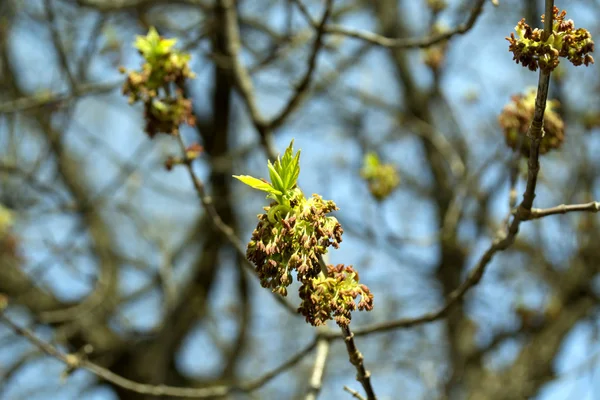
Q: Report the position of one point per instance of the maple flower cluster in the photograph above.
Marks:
(282, 243)
(382, 179)
(291, 237)
(565, 41)
(334, 294)
(517, 116)
(159, 84)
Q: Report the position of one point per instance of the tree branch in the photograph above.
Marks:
(398, 43)
(75, 361)
(316, 378)
(536, 213)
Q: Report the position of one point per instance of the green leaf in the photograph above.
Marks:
(371, 160)
(258, 184)
(152, 45)
(295, 170)
(145, 44)
(142, 45)
(276, 180)
(370, 165)
(165, 46)
(288, 167)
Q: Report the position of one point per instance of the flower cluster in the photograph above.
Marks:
(159, 84)
(334, 294)
(382, 179)
(516, 118)
(292, 239)
(565, 41)
(292, 236)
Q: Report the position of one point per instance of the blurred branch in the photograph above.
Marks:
(398, 43)
(243, 81)
(58, 46)
(302, 88)
(505, 239)
(226, 9)
(76, 361)
(316, 379)
(56, 100)
(354, 393)
(221, 226)
(125, 5)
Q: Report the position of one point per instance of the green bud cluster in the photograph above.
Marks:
(382, 179)
(334, 294)
(159, 84)
(292, 236)
(517, 116)
(565, 41)
(292, 239)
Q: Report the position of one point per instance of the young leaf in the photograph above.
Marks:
(256, 183)
(152, 45)
(288, 167)
(276, 180)
(146, 44)
(282, 163)
(295, 170)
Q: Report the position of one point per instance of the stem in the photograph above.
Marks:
(356, 357)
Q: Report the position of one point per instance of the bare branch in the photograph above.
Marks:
(56, 100)
(125, 5)
(225, 229)
(58, 46)
(302, 88)
(354, 393)
(399, 43)
(241, 76)
(316, 379)
(76, 361)
(504, 240)
(536, 213)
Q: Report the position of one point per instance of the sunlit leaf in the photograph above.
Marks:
(288, 167)
(258, 184)
(276, 180)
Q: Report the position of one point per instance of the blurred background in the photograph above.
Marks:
(105, 252)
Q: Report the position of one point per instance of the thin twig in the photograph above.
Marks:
(354, 393)
(316, 378)
(302, 88)
(127, 5)
(73, 362)
(399, 43)
(77, 361)
(36, 101)
(243, 82)
(356, 357)
(505, 239)
(536, 213)
(58, 46)
(259, 382)
(226, 230)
